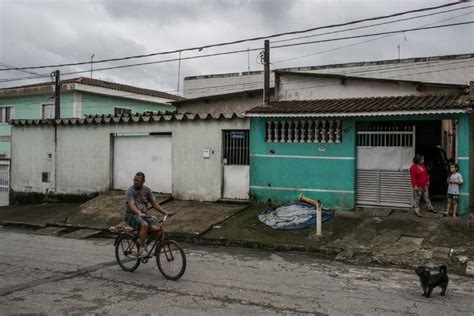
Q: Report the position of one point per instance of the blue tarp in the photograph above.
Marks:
(296, 215)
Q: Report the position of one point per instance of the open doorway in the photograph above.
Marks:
(385, 150)
(436, 141)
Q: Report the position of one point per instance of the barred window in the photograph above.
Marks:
(6, 113)
(386, 136)
(236, 147)
(122, 111)
(303, 131)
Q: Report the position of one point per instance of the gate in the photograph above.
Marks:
(236, 165)
(150, 154)
(4, 182)
(384, 156)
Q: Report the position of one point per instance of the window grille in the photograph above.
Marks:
(122, 111)
(303, 131)
(386, 136)
(6, 113)
(236, 147)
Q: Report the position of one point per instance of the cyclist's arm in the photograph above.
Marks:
(158, 207)
(131, 205)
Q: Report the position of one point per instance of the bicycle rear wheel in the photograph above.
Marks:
(171, 260)
(127, 253)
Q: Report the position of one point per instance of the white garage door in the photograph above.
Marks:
(148, 154)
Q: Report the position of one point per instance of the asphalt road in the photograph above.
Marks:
(57, 275)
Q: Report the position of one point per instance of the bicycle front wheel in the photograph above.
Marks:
(171, 260)
(127, 253)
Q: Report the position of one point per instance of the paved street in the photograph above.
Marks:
(56, 275)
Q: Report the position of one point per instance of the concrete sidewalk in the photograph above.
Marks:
(191, 219)
(365, 237)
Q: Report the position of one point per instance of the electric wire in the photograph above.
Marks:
(247, 50)
(200, 48)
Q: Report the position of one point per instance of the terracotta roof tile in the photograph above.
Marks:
(104, 84)
(364, 105)
(135, 118)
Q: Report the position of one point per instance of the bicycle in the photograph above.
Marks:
(170, 257)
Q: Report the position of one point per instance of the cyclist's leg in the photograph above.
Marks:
(142, 234)
(140, 225)
(153, 229)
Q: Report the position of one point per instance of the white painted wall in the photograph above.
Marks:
(30, 158)
(235, 104)
(299, 87)
(84, 156)
(200, 86)
(453, 71)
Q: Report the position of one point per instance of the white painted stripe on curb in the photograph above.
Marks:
(463, 158)
(299, 189)
(302, 157)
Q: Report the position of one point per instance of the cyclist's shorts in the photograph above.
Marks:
(136, 221)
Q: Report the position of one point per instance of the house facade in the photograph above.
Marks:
(79, 97)
(448, 69)
(349, 141)
(181, 155)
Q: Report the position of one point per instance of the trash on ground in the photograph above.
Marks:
(295, 215)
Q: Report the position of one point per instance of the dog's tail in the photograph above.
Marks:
(443, 269)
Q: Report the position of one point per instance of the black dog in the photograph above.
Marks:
(430, 281)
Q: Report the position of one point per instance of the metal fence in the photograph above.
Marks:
(4, 182)
(387, 137)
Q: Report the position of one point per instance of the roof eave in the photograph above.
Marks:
(356, 114)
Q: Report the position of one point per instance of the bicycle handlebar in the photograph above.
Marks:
(159, 221)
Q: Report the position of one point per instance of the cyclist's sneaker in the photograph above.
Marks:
(143, 252)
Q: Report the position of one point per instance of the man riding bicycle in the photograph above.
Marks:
(137, 198)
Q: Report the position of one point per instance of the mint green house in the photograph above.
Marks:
(79, 97)
(350, 151)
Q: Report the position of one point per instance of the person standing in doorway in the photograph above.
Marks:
(454, 180)
(420, 182)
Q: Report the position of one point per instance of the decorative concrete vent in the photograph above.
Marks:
(303, 131)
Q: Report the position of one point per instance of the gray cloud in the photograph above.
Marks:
(48, 32)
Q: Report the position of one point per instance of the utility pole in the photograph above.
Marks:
(57, 95)
(266, 73)
(179, 72)
(92, 63)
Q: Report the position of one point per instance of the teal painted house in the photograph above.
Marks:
(350, 151)
(79, 97)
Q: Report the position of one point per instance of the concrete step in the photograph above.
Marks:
(51, 231)
(82, 233)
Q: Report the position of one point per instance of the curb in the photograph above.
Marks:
(197, 239)
(22, 225)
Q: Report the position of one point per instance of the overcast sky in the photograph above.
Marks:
(44, 32)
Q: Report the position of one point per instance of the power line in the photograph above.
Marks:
(366, 41)
(374, 34)
(290, 89)
(372, 25)
(375, 69)
(254, 49)
(367, 69)
(200, 48)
